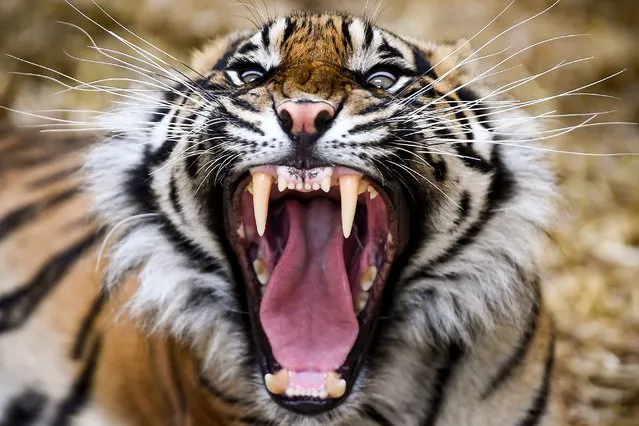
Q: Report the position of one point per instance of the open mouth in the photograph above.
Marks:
(315, 247)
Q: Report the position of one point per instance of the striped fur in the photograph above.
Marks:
(158, 333)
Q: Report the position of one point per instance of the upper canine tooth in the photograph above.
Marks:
(348, 185)
(277, 383)
(261, 193)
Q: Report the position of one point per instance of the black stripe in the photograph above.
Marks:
(241, 103)
(540, 403)
(224, 60)
(247, 48)
(177, 380)
(422, 65)
(368, 34)
(346, 33)
(52, 178)
(372, 413)
(501, 189)
(442, 378)
(88, 323)
(80, 392)
(173, 196)
(365, 127)
(38, 150)
(471, 158)
(218, 394)
(463, 210)
(266, 36)
(440, 168)
(24, 409)
(17, 306)
(237, 121)
(480, 109)
(387, 51)
(30, 212)
(508, 367)
(183, 244)
(288, 31)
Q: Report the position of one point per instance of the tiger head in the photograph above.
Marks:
(318, 208)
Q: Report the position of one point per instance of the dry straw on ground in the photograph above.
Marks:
(591, 266)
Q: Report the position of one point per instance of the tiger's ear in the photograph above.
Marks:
(204, 59)
(454, 59)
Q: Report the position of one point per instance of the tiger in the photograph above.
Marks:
(317, 222)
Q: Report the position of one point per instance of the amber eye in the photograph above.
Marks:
(251, 76)
(381, 79)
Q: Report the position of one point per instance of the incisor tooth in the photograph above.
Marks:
(281, 183)
(277, 383)
(299, 186)
(348, 185)
(326, 184)
(261, 193)
(335, 387)
(368, 277)
(290, 185)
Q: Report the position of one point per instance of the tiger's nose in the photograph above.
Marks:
(305, 117)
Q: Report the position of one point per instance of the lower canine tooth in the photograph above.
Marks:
(277, 383)
(335, 387)
(348, 185)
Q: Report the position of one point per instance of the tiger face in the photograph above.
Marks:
(321, 209)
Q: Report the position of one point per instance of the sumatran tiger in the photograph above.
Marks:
(316, 223)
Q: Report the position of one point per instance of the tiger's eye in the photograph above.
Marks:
(381, 79)
(251, 76)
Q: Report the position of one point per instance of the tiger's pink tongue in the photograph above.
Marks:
(307, 310)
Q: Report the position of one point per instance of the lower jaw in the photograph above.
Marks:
(367, 320)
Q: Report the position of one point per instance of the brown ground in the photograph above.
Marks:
(592, 264)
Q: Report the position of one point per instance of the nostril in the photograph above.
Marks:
(323, 120)
(287, 120)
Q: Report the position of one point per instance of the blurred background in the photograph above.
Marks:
(591, 265)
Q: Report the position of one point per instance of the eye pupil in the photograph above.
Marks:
(381, 79)
(251, 76)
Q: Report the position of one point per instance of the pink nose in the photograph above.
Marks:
(305, 117)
